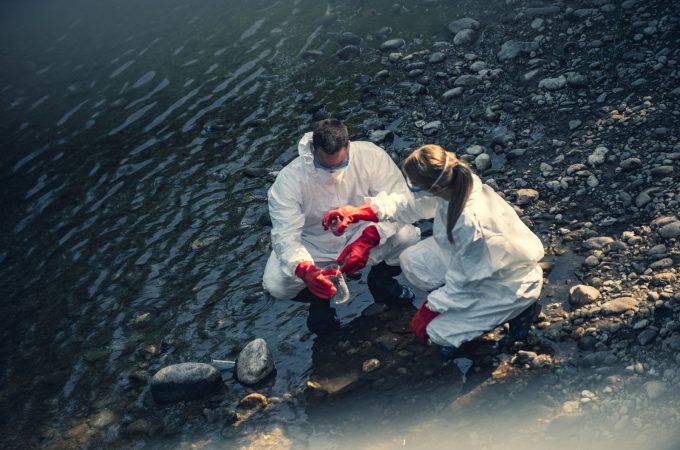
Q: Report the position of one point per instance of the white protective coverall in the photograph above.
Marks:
(301, 196)
(487, 276)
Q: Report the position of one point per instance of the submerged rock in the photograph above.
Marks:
(392, 44)
(185, 381)
(254, 363)
(466, 23)
(512, 48)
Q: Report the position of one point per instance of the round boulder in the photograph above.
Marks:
(254, 363)
(185, 381)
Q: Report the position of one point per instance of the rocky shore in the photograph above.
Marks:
(570, 111)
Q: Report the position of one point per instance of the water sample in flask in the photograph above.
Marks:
(342, 294)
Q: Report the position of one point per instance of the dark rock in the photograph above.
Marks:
(647, 336)
(512, 48)
(254, 363)
(466, 23)
(348, 38)
(185, 381)
(348, 52)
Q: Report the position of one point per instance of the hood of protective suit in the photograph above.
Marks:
(325, 177)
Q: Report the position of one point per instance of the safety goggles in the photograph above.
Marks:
(413, 188)
(318, 165)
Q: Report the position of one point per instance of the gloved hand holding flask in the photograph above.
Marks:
(317, 280)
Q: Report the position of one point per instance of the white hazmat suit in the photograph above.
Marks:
(302, 194)
(487, 276)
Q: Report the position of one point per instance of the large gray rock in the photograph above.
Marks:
(185, 381)
(597, 242)
(512, 48)
(463, 24)
(254, 363)
(582, 294)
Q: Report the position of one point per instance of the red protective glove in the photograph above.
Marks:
(357, 252)
(340, 218)
(420, 320)
(316, 279)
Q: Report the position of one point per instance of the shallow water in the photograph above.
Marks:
(125, 128)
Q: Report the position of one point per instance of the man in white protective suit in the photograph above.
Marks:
(329, 172)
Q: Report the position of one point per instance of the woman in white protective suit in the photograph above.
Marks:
(480, 266)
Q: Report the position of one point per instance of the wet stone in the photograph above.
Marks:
(452, 93)
(467, 81)
(380, 136)
(670, 230)
(466, 23)
(436, 57)
(254, 363)
(464, 37)
(647, 336)
(482, 162)
(595, 359)
(348, 38)
(348, 52)
(185, 381)
(512, 48)
(392, 44)
(597, 242)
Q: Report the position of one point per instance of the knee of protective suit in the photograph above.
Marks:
(405, 237)
(278, 284)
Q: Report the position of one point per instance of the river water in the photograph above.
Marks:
(125, 129)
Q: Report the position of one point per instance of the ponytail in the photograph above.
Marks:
(460, 187)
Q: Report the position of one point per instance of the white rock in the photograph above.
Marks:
(553, 84)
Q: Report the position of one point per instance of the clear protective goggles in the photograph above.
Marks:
(330, 169)
(414, 189)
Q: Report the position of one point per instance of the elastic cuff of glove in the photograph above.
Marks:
(303, 268)
(369, 214)
(371, 235)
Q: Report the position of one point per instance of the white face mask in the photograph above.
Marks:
(330, 178)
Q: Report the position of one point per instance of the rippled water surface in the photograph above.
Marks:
(125, 129)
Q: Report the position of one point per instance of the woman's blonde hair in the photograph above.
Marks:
(433, 168)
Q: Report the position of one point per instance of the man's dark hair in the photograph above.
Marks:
(330, 135)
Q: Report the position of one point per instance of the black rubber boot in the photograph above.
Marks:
(520, 325)
(322, 318)
(385, 289)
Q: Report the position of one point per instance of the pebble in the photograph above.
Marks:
(671, 230)
(467, 81)
(597, 242)
(526, 196)
(553, 84)
(598, 156)
(432, 127)
(370, 365)
(474, 150)
(482, 162)
(466, 23)
(436, 57)
(581, 295)
(647, 336)
(463, 37)
(185, 381)
(512, 48)
(452, 93)
(254, 363)
(392, 44)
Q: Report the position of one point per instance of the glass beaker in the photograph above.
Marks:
(342, 291)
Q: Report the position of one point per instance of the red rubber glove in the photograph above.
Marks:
(316, 279)
(420, 320)
(340, 218)
(357, 252)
